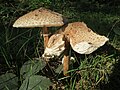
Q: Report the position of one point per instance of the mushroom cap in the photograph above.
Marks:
(39, 18)
(55, 46)
(82, 39)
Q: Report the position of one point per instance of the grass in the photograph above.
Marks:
(99, 70)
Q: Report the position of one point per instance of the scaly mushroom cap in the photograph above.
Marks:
(82, 39)
(39, 18)
(55, 46)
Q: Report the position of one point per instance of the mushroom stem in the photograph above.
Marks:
(45, 36)
(66, 59)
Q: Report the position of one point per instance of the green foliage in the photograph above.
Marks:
(116, 39)
(91, 73)
(59, 69)
(32, 67)
(35, 82)
(95, 70)
(117, 30)
(32, 81)
(116, 42)
(8, 81)
(37, 3)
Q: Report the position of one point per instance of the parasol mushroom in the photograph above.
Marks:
(82, 39)
(40, 18)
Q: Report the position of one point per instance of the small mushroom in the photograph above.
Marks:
(40, 18)
(55, 46)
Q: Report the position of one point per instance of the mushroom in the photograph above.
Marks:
(81, 38)
(55, 46)
(40, 18)
(58, 44)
